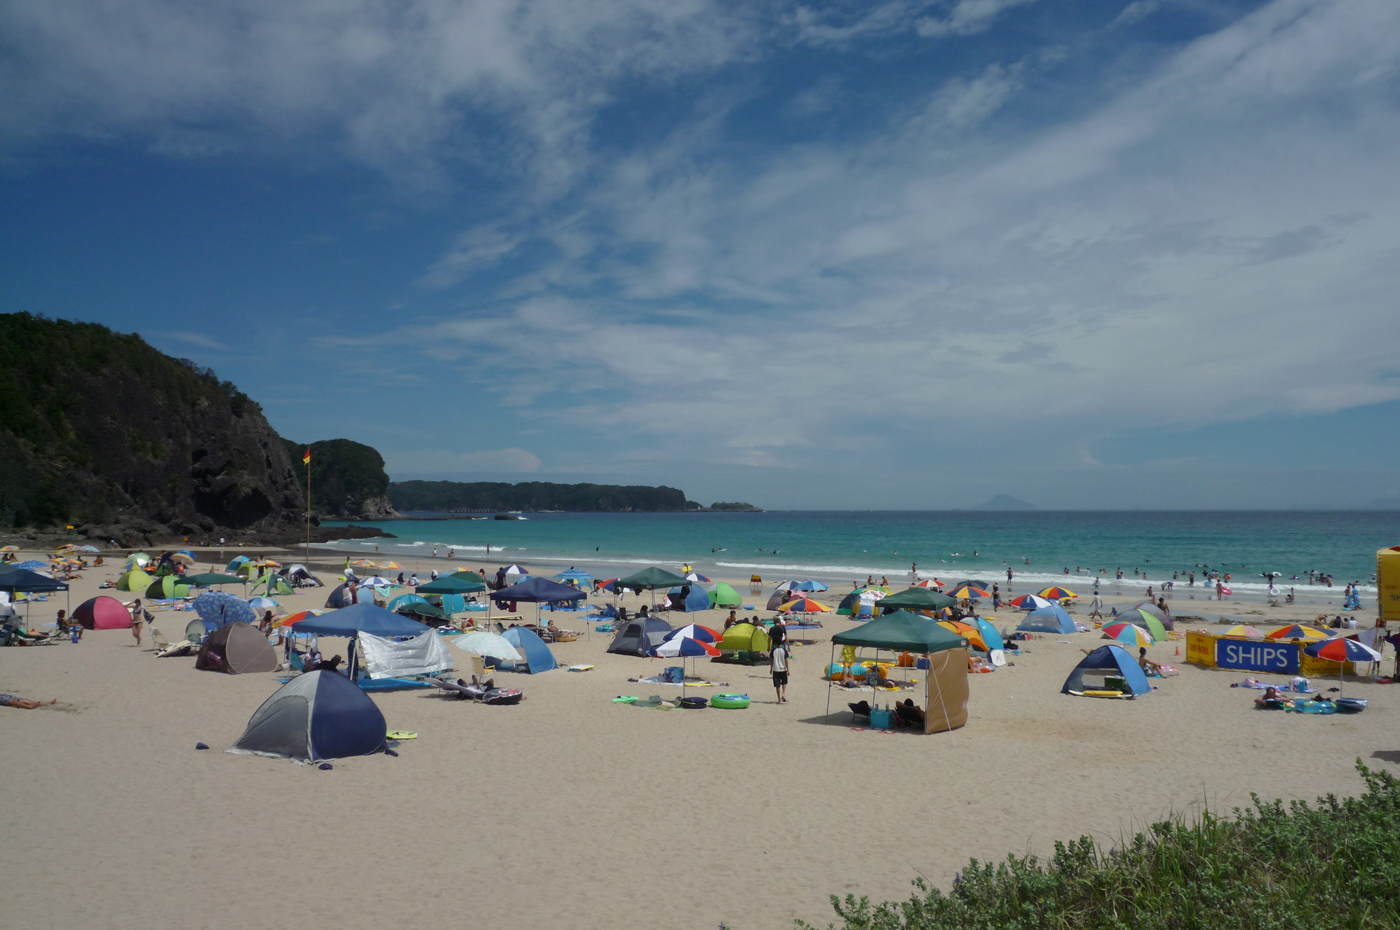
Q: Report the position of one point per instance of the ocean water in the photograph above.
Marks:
(839, 547)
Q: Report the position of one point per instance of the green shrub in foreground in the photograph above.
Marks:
(1335, 865)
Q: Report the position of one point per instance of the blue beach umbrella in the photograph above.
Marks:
(809, 585)
(216, 609)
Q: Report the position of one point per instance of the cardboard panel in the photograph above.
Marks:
(947, 691)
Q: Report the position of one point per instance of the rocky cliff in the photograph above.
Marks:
(99, 430)
(348, 481)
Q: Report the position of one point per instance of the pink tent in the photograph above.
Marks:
(102, 613)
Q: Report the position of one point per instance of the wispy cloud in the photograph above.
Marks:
(966, 17)
(195, 339)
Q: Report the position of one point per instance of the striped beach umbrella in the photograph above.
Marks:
(1248, 632)
(695, 631)
(1297, 631)
(299, 615)
(1029, 602)
(967, 592)
(1055, 593)
(804, 605)
(391, 565)
(1128, 633)
(1343, 650)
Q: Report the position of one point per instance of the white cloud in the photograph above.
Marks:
(967, 17)
(510, 85)
(1195, 250)
(473, 250)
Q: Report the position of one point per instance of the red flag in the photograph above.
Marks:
(306, 458)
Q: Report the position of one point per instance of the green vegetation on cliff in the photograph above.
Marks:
(97, 427)
(347, 478)
(458, 496)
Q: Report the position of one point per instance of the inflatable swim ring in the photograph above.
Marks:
(1316, 706)
(730, 701)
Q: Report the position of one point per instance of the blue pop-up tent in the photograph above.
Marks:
(538, 658)
(1052, 619)
(317, 716)
(1108, 660)
(697, 599)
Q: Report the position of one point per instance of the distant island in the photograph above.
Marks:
(538, 496)
(1005, 502)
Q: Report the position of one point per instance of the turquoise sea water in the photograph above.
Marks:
(839, 547)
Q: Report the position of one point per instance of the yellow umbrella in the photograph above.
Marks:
(1248, 632)
(390, 565)
(9, 549)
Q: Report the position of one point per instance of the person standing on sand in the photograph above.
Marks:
(1097, 604)
(913, 574)
(778, 665)
(139, 616)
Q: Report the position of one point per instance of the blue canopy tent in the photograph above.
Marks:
(697, 599)
(1052, 619)
(22, 580)
(360, 618)
(1109, 660)
(535, 590)
(538, 658)
(364, 618)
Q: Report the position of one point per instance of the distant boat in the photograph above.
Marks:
(509, 516)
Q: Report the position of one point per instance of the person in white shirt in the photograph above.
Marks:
(778, 665)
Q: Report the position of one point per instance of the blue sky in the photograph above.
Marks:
(879, 254)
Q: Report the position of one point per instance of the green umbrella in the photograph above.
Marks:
(916, 599)
(469, 576)
(421, 609)
(211, 578)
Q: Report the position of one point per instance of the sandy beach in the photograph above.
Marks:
(571, 811)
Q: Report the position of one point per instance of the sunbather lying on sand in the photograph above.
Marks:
(9, 700)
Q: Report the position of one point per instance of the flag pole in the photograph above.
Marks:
(307, 459)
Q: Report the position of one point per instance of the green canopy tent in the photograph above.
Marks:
(458, 583)
(897, 631)
(915, 599)
(649, 579)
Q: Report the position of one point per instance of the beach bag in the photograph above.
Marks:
(673, 674)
